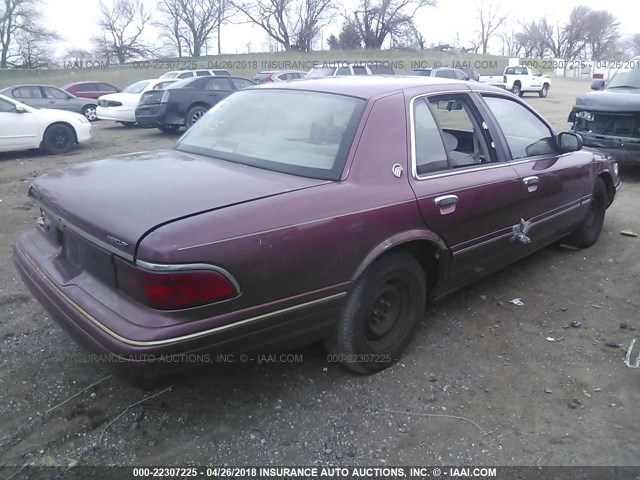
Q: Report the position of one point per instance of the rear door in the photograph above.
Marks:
(552, 184)
(30, 95)
(466, 192)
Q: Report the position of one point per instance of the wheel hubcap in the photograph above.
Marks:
(196, 116)
(60, 138)
(90, 113)
(385, 311)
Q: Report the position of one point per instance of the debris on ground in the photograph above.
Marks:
(612, 345)
(576, 324)
(627, 358)
(517, 301)
(628, 233)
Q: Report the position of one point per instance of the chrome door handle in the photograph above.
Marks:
(446, 200)
(531, 180)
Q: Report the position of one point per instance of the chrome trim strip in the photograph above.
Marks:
(179, 267)
(166, 341)
(62, 223)
(533, 225)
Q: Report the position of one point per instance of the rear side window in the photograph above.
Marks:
(6, 106)
(344, 71)
(217, 84)
(224, 73)
(446, 74)
(203, 73)
(86, 87)
(185, 75)
(240, 83)
(105, 87)
(27, 92)
(359, 71)
(526, 134)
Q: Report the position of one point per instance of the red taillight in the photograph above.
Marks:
(173, 290)
(165, 97)
(269, 78)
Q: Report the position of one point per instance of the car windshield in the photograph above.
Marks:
(321, 72)
(136, 87)
(296, 132)
(168, 75)
(629, 78)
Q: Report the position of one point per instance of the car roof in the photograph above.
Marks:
(370, 86)
(29, 85)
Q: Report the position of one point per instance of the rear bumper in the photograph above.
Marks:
(624, 150)
(150, 353)
(156, 116)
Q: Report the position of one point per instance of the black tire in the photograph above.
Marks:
(383, 311)
(58, 138)
(194, 114)
(516, 89)
(589, 229)
(545, 89)
(89, 111)
(127, 124)
(169, 128)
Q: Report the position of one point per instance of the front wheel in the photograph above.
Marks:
(589, 229)
(382, 313)
(58, 138)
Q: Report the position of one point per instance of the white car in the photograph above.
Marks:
(121, 107)
(182, 74)
(55, 131)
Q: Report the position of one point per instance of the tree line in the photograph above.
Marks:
(188, 28)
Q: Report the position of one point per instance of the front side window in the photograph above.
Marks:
(359, 71)
(240, 83)
(296, 132)
(6, 106)
(55, 93)
(344, 71)
(217, 84)
(526, 134)
(321, 72)
(185, 75)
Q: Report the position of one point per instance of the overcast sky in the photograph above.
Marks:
(77, 20)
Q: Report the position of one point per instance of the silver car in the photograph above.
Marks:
(267, 76)
(45, 96)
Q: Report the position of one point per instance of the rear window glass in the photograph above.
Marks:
(321, 72)
(296, 132)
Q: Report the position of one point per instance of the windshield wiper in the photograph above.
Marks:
(624, 86)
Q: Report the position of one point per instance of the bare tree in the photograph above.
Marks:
(376, 19)
(490, 19)
(293, 24)
(17, 19)
(34, 49)
(408, 37)
(633, 45)
(511, 45)
(170, 23)
(532, 39)
(122, 24)
(567, 41)
(602, 34)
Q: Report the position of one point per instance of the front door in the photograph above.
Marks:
(17, 130)
(466, 192)
(551, 183)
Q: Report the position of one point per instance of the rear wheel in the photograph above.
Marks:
(169, 128)
(58, 138)
(381, 314)
(589, 229)
(516, 90)
(194, 114)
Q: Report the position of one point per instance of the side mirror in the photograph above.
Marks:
(597, 85)
(569, 142)
(20, 109)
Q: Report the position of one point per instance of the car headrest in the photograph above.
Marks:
(450, 142)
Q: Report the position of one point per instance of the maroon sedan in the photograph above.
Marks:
(90, 89)
(330, 209)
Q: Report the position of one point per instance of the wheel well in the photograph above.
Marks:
(89, 105)
(517, 82)
(198, 104)
(75, 134)
(608, 181)
(427, 255)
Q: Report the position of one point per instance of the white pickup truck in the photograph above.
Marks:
(519, 80)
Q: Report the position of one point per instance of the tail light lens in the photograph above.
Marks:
(173, 290)
(269, 78)
(165, 97)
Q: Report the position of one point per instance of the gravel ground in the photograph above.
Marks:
(526, 400)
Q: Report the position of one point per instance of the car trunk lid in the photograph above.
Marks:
(115, 202)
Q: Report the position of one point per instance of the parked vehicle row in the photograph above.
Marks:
(220, 233)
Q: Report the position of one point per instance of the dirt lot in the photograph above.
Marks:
(477, 356)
